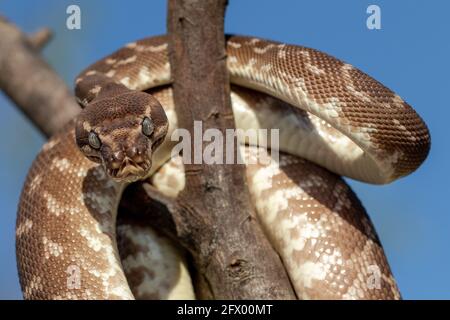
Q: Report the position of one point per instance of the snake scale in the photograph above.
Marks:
(333, 120)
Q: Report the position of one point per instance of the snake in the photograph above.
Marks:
(333, 119)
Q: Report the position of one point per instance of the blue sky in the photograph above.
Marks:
(410, 54)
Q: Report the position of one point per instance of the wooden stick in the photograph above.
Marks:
(230, 251)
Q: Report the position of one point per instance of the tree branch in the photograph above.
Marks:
(40, 38)
(30, 82)
(230, 250)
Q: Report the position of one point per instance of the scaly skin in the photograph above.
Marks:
(338, 118)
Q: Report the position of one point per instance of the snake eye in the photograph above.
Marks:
(94, 141)
(147, 126)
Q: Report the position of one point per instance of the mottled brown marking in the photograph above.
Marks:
(75, 210)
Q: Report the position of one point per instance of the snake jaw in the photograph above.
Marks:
(130, 170)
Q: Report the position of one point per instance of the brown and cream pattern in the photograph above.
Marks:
(328, 112)
(316, 223)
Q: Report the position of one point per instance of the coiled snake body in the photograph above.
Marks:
(330, 115)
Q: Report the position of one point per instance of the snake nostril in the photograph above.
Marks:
(118, 156)
(131, 152)
(115, 160)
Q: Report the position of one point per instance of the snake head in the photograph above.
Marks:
(121, 132)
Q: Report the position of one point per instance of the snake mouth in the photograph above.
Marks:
(129, 171)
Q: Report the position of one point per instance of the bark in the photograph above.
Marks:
(230, 251)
